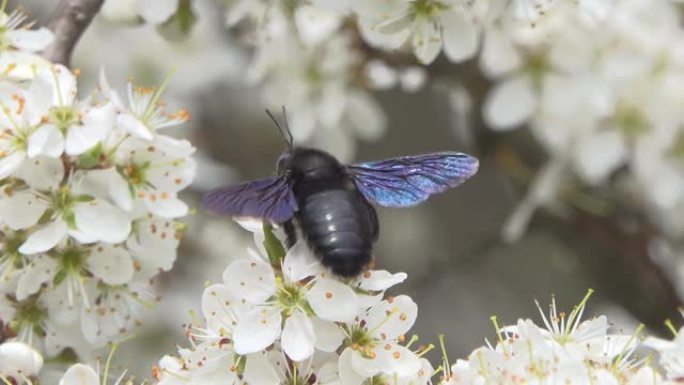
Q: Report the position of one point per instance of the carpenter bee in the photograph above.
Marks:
(330, 203)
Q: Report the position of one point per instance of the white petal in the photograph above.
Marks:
(21, 210)
(11, 162)
(258, 370)
(45, 238)
(329, 336)
(460, 36)
(217, 307)
(390, 359)
(315, 25)
(380, 75)
(257, 329)
(19, 360)
(102, 220)
(165, 206)
(42, 172)
(250, 280)
(158, 11)
(510, 104)
(30, 40)
(105, 183)
(498, 54)
(427, 41)
(333, 301)
(348, 375)
(154, 246)
(365, 116)
(64, 92)
(392, 318)
(111, 264)
(172, 178)
(413, 78)
(134, 126)
(298, 338)
(80, 374)
(380, 280)
(41, 270)
(597, 155)
(300, 262)
(121, 11)
(47, 140)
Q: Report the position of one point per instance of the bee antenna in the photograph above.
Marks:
(287, 127)
(288, 141)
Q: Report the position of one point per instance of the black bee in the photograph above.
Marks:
(331, 202)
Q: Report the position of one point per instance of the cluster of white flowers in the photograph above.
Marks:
(88, 199)
(569, 350)
(281, 318)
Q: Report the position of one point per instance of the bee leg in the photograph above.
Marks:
(373, 221)
(290, 232)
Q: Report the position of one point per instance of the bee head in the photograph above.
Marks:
(284, 162)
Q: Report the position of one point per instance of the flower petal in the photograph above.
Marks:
(166, 207)
(427, 40)
(111, 264)
(510, 104)
(11, 162)
(21, 210)
(18, 360)
(329, 336)
(41, 270)
(380, 280)
(256, 330)
(80, 374)
(134, 126)
(250, 280)
(348, 375)
(30, 40)
(300, 262)
(45, 238)
(460, 36)
(333, 301)
(298, 338)
(498, 56)
(47, 140)
(218, 309)
(102, 220)
(390, 359)
(258, 370)
(42, 172)
(392, 318)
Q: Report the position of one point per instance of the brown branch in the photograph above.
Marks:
(70, 20)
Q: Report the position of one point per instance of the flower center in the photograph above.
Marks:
(426, 8)
(290, 297)
(71, 261)
(359, 339)
(63, 117)
(29, 315)
(630, 120)
(135, 173)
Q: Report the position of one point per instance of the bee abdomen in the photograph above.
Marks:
(337, 225)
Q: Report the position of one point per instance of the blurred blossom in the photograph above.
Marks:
(305, 58)
(88, 206)
(138, 11)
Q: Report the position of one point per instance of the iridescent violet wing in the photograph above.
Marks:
(409, 180)
(269, 198)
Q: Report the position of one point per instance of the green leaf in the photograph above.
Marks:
(274, 249)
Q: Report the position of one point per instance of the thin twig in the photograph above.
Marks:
(70, 20)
